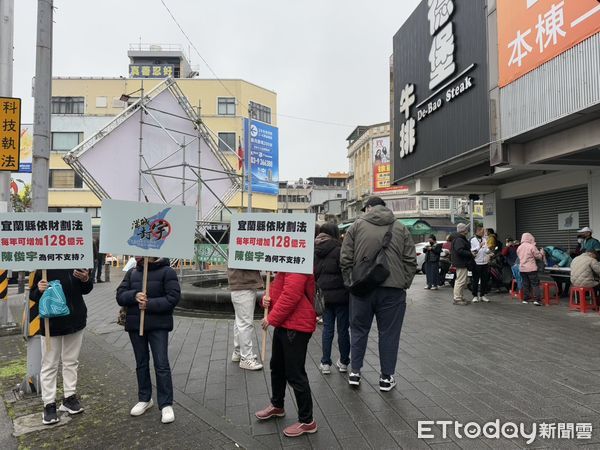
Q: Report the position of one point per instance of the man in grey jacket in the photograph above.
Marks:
(387, 302)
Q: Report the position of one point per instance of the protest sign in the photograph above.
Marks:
(31, 241)
(147, 229)
(272, 242)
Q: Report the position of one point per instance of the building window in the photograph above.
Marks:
(260, 112)
(439, 204)
(68, 105)
(227, 142)
(64, 179)
(63, 142)
(226, 106)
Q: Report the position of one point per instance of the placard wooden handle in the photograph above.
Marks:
(144, 283)
(263, 350)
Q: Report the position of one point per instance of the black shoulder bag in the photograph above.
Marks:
(369, 273)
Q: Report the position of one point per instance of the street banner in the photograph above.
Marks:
(147, 229)
(10, 133)
(272, 242)
(382, 167)
(31, 241)
(264, 156)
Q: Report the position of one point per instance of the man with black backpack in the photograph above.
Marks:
(378, 262)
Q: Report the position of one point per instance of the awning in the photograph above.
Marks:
(416, 226)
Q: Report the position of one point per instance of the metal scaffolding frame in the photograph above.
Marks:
(185, 143)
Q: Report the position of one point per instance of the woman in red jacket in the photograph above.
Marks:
(292, 313)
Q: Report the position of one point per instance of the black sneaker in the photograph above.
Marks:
(387, 384)
(354, 379)
(71, 405)
(49, 415)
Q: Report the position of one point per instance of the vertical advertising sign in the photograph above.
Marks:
(10, 133)
(382, 169)
(264, 156)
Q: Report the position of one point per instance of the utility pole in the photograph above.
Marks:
(7, 14)
(42, 93)
(249, 157)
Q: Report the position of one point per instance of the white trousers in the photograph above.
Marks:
(243, 327)
(65, 349)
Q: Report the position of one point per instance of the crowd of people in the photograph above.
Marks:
(363, 277)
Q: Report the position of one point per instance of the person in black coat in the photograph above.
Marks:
(329, 280)
(432, 263)
(159, 301)
(66, 338)
(462, 259)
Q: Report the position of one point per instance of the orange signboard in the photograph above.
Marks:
(532, 32)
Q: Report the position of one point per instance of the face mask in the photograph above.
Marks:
(580, 240)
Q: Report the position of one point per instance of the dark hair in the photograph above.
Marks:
(331, 229)
(491, 230)
(432, 236)
(317, 229)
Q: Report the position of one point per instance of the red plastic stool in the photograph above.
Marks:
(578, 299)
(513, 292)
(548, 299)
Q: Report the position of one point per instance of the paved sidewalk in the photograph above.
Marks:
(482, 362)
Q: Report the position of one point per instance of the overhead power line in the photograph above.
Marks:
(192, 45)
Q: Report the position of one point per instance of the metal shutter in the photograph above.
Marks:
(539, 216)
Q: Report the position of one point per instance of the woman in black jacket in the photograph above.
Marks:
(328, 276)
(432, 263)
(161, 297)
(66, 337)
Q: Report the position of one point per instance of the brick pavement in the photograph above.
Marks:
(481, 362)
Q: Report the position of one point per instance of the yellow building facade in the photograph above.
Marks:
(82, 106)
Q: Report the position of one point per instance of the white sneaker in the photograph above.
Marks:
(434, 288)
(250, 364)
(168, 415)
(236, 357)
(485, 299)
(325, 369)
(141, 407)
(536, 303)
(475, 300)
(524, 302)
(343, 368)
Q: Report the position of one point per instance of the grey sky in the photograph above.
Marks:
(327, 60)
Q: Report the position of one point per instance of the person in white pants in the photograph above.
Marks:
(66, 338)
(243, 285)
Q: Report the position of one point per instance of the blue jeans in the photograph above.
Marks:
(330, 314)
(158, 341)
(388, 305)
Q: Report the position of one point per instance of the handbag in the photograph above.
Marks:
(53, 302)
(369, 273)
(319, 301)
(122, 315)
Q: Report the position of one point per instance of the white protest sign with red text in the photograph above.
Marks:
(31, 241)
(272, 242)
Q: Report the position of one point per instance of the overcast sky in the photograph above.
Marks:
(328, 60)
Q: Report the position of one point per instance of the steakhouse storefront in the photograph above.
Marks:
(533, 151)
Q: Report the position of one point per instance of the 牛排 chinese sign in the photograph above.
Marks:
(10, 133)
(275, 242)
(147, 229)
(532, 32)
(30, 241)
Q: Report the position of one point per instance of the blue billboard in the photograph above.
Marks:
(264, 156)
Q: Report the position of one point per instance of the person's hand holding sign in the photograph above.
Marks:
(42, 285)
(264, 324)
(82, 275)
(142, 300)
